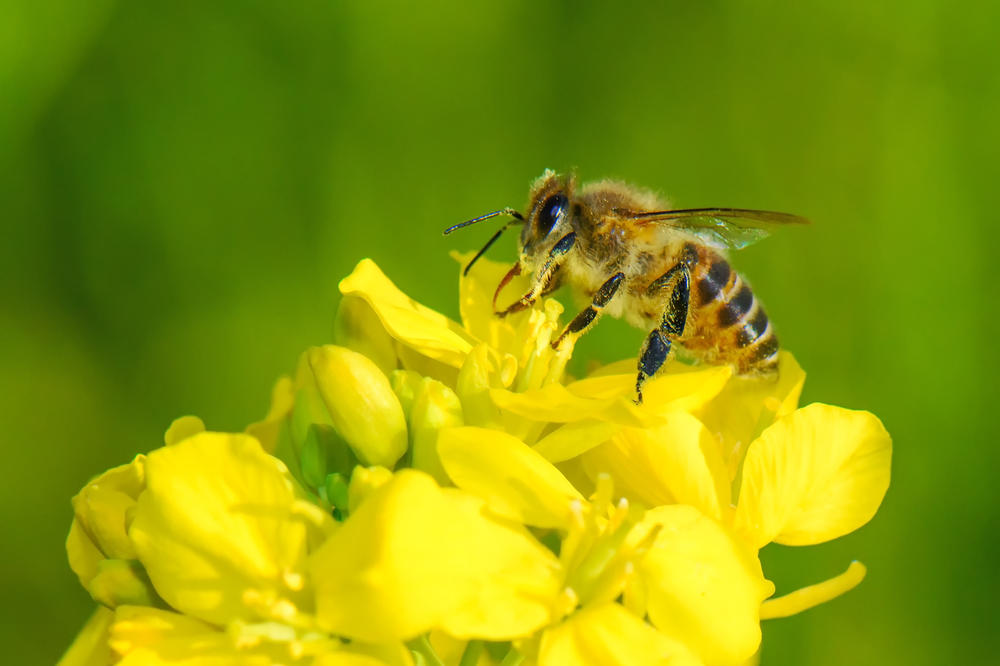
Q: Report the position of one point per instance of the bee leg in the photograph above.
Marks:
(602, 297)
(544, 275)
(653, 355)
(656, 348)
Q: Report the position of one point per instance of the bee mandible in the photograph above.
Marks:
(626, 252)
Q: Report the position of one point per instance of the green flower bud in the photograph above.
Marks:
(324, 452)
(308, 408)
(337, 492)
(313, 459)
(360, 403)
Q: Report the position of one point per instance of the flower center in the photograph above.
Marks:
(594, 554)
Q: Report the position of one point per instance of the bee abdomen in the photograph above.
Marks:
(757, 343)
(733, 318)
(714, 280)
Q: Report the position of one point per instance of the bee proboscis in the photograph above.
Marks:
(625, 251)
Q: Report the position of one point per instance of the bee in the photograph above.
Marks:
(630, 255)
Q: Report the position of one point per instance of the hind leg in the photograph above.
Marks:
(656, 349)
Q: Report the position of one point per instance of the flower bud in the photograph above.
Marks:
(361, 404)
(406, 384)
(364, 482)
(338, 493)
(313, 459)
(121, 582)
(475, 379)
(435, 407)
(102, 512)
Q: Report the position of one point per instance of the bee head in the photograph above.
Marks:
(548, 217)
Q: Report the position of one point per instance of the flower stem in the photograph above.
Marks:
(513, 658)
(470, 657)
(424, 652)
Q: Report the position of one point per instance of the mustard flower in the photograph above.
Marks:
(425, 491)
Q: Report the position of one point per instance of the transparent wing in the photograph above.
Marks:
(732, 228)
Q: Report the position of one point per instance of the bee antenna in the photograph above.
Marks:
(493, 239)
(503, 211)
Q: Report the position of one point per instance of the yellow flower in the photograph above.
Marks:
(217, 531)
(415, 557)
(428, 490)
(814, 474)
(699, 585)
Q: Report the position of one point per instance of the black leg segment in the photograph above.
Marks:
(676, 315)
(652, 357)
(587, 316)
(656, 349)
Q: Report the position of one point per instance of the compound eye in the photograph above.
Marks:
(553, 209)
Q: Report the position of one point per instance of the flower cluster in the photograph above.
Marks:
(429, 492)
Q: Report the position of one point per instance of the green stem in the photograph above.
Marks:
(421, 647)
(470, 657)
(513, 658)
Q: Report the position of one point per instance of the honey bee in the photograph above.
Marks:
(626, 252)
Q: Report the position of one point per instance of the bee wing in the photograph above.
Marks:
(732, 228)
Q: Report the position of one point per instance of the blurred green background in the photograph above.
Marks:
(182, 185)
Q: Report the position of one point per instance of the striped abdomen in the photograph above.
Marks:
(726, 322)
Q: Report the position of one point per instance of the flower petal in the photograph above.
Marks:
(609, 397)
(414, 557)
(749, 404)
(182, 428)
(349, 657)
(555, 403)
(573, 439)
(268, 430)
(676, 463)
(814, 475)
(142, 635)
(608, 635)
(83, 554)
(475, 301)
(416, 326)
(813, 595)
(700, 585)
(426, 366)
(367, 654)
(516, 482)
(358, 328)
(684, 389)
(215, 521)
(90, 647)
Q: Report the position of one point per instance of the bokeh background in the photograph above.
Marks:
(182, 185)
